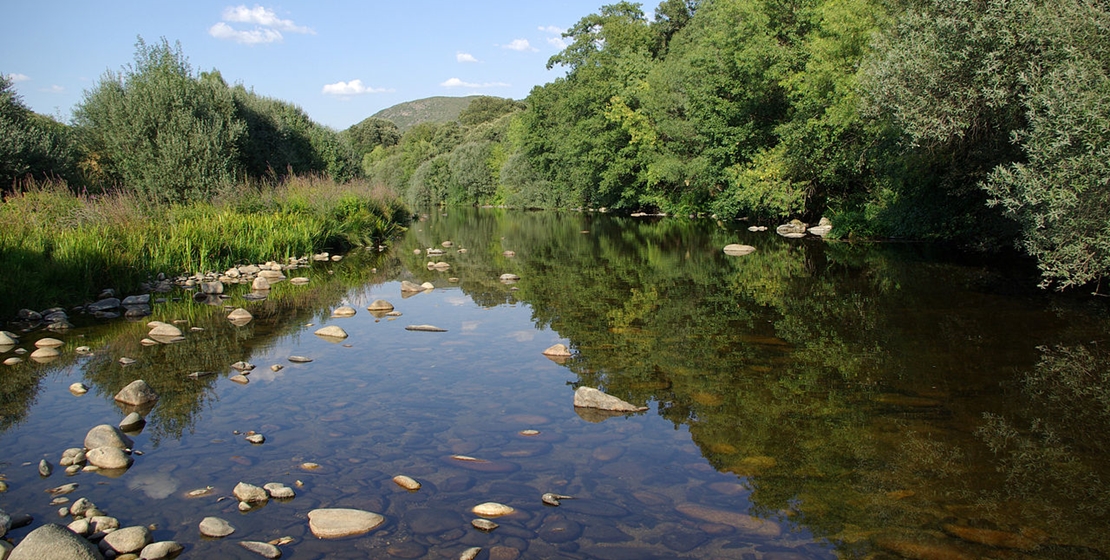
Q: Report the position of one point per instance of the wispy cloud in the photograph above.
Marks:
(457, 83)
(465, 57)
(519, 45)
(16, 78)
(54, 89)
(268, 27)
(353, 87)
(556, 39)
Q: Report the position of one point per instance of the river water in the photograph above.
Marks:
(809, 400)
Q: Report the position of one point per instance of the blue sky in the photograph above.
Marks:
(341, 61)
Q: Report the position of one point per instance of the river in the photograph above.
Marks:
(809, 400)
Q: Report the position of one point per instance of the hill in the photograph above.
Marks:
(431, 109)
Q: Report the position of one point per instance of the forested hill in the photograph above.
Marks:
(438, 109)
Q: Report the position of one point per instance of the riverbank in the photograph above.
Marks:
(58, 249)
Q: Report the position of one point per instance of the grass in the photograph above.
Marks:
(57, 248)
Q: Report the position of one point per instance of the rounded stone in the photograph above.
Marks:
(492, 509)
(128, 539)
(738, 250)
(109, 458)
(380, 305)
(136, 393)
(161, 550)
(331, 331)
(78, 388)
(215, 527)
(106, 435)
(54, 541)
(344, 311)
(333, 523)
(49, 343)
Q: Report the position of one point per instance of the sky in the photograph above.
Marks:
(339, 60)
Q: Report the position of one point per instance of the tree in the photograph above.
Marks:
(31, 145)
(486, 108)
(370, 133)
(278, 138)
(159, 130)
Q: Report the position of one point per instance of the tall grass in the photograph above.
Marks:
(57, 248)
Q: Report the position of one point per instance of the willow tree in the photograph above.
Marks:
(159, 129)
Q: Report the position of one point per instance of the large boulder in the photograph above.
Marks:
(55, 542)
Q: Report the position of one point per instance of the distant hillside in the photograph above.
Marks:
(432, 109)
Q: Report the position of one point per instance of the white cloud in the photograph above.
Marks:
(261, 16)
(465, 57)
(519, 45)
(268, 26)
(455, 82)
(16, 78)
(54, 89)
(353, 87)
(253, 37)
(556, 38)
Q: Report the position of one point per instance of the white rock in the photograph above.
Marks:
(492, 509)
(78, 388)
(406, 482)
(240, 317)
(250, 493)
(136, 393)
(738, 250)
(332, 331)
(344, 311)
(49, 343)
(333, 523)
(588, 397)
(558, 350)
(108, 458)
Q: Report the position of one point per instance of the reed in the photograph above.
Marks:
(57, 248)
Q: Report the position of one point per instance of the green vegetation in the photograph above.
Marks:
(981, 123)
(57, 248)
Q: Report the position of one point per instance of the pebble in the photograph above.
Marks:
(408, 483)
(553, 499)
(484, 524)
(12, 361)
(424, 328)
(126, 361)
(240, 379)
(279, 491)
(49, 343)
(242, 366)
(299, 359)
(470, 553)
(45, 468)
(78, 388)
(277, 367)
(256, 439)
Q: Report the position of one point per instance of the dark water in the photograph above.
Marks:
(809, 400)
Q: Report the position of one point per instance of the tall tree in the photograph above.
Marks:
(159, 130)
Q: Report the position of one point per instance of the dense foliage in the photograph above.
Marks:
(977, 121)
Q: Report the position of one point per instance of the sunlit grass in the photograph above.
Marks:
(58, 249)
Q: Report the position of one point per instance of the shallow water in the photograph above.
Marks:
(810, 400)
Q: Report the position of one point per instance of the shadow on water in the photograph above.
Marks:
(884, 401)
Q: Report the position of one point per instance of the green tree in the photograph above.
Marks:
(159, 130)
(486, 108)
(370, 133)
(278, 139)
(31, 145)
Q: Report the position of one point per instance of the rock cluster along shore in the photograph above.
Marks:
(210, 285)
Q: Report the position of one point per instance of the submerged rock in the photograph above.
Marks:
(738, 250)
(424, 328)
(407, 286)
(266, 550)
